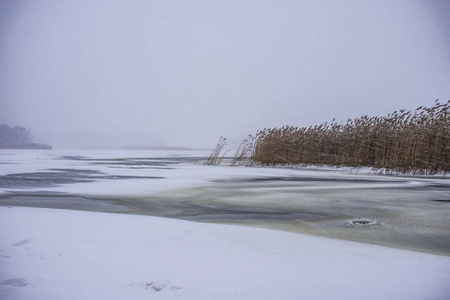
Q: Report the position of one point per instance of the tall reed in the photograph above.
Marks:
(407, 142)
(218, 153)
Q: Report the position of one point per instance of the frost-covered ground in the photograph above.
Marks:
(62, 254)
(50, 253)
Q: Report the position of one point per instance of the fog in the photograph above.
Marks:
(183, 73)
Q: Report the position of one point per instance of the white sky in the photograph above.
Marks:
(184, 73)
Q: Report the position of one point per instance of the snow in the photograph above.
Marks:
(62, 254)
(183, 175)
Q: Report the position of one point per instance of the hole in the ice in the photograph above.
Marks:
(361, 222)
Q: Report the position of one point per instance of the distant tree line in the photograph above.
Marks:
(406, 142)
(18, 137)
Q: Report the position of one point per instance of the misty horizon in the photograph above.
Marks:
(147, 73)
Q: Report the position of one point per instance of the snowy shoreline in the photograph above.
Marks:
(53, 254)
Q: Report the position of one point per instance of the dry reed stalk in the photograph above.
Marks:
(216, 156)
(404, 142)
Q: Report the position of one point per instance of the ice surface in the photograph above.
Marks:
(54, 254)
(410, 212)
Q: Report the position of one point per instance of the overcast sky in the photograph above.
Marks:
(184, 73)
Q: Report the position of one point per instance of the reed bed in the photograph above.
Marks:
(405, 142)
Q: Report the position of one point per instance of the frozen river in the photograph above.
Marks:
(404, 212)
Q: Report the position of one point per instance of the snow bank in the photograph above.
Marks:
(57, 254)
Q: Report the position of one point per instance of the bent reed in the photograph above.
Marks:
(404, 142)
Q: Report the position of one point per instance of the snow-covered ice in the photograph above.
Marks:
(61, 254)
(65, 254)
